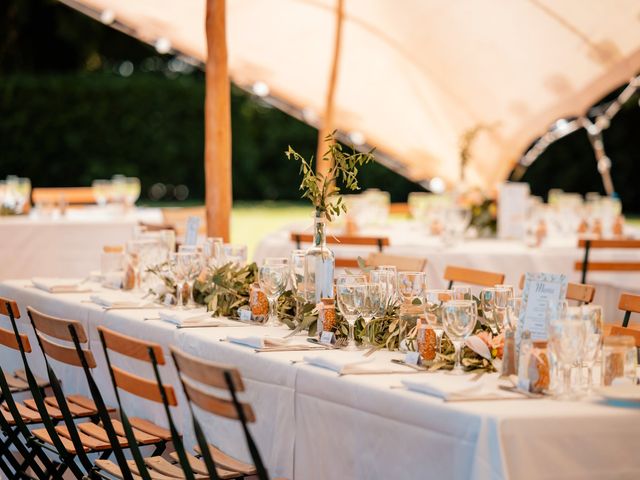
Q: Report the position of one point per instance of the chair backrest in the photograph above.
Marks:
(617, 266)
(177, 218)
(629, 303)
(472, 277)
(632, 332)
(379, 242)
(152, 390)
(49, 328)
(9, 338)
(69, 195)
(578, 292)
(402, 263)
(193, 371)
(399, 209)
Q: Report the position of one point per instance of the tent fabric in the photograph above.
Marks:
(415, 76)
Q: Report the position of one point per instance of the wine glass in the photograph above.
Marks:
(131, 191)
(100, 191)
(212, 249)
(461, 292)
(348, 305)
(594, 324)
(273, 280)
(514, 308)
(567, 339)
(179, 277)
(296, 273)
(411, 286)
(435, 300)
(459, 320)
(369, 300)
(233, 253)
(488, 304)
(503, 295)
(387, 279)
(118, 188)
(276, 261)
(190, 264)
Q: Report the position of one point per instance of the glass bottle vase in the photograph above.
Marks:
(319, 265)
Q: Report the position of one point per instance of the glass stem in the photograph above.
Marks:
(179, 288)
(458, 348)
(352, 330)
(273, 307)
(439, 341)
(589, 378)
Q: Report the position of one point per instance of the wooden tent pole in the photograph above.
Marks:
(326, 125)
(217, 150)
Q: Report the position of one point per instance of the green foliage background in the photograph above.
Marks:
(67, 116)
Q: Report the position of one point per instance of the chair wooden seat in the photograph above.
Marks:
(99, 433)
(199, 467)
(42, 435)
(150, 428)
(141, 437)
(228, 462)
(42, 383)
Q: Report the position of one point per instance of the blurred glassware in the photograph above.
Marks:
(369, 303)
(23, 194)
(455, 223)
(296, 273)
(594, 320)
(461, 292)
(276, 261)
(234, 253)
(100, 189)
(348, 305)
(387, 277)
(190, 263)
(213, 251)
(619, 360)
(566, 340)
(132, 189)
(118, 188)
(273, 281)
(487, 305)
(408, 315)
(411, 286)
(435, 300)
(459, 320)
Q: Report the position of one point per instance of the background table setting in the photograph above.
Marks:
(371, 374)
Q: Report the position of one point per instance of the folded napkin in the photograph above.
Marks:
(185, 318)
(259, 342)
(463, 387)
(117, 299)
(340, 362)
(60, 285)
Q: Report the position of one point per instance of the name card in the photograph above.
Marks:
(542, 292)
(191, 236)
(413, 358)
(513, 202)
(328, 338)
(244, 314)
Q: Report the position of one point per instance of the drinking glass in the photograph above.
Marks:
(435, 300)
(213, 250)
(514, 306)
(100, 190)
(387, 278)
(411, 286)
(503, 295)
(351, 279)
(131, 191)
(348, 305)
(191, 263)
(179, 277)
(619, 359)
(459, 320)
(594, 323)
(369, 302)
(488, 305)
(567, 339)
(118, 188)
(461, 292)
(296, 273)
(273, 281)
(276, 261)
(236, 254)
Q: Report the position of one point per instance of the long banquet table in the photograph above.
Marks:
(69, 246)
(513, 258)
(314, 424)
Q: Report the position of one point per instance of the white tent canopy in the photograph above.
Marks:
(415, 75)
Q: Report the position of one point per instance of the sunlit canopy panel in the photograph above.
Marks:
(415, 75)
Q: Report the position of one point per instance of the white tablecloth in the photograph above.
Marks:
(314, 424)
(513, 258)
(68, 246)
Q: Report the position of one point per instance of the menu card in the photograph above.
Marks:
(541, 292)
(191, 236)
(513, 201)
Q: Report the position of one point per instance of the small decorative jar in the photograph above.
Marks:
(326, 315)
(538, 368)
(619, 359)
(259, 303)
(426, 341)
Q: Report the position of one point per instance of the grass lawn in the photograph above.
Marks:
(251, 221)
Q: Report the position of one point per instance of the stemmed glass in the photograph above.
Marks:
(132, 190)
(348, 305)
(236, 254)
(296, 273)
(461, 292)
(369, 300)
(488, 305)
(459, 320)
(411, 286)
(179, 276)
(567, 339)
(387, 279)
(594, 324)
(213, 250)
(189, 264)
(435, 300)
(273, 281)
(100, 191)
(514, 307)
(503, 295)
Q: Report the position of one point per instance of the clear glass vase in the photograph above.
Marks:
(319, 265)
